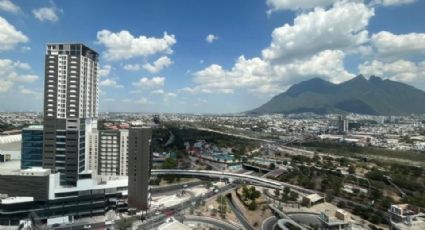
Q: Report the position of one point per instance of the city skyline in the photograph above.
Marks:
(165, 56)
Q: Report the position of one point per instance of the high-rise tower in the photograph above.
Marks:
(139, 167)
(70, 107)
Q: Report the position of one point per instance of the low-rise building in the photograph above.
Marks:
(406, 216)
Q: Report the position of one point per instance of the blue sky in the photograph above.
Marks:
(211, 56)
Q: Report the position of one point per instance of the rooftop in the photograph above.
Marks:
(14, 200)
(33, 127)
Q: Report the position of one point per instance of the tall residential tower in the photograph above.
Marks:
(139, 167)
(70, 107)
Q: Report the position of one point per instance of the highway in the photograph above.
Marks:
(155, 220)
(236, 176)
(239, 215)
(269, 223)
(212, 221)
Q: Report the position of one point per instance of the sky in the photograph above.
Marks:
(210, 56)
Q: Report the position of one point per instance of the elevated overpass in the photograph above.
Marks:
(255, 180)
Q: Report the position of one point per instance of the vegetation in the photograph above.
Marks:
(289, 195)
(350, 150)
(222, 206)
(169, 163)
(249, 196)
(124, 223)
(191, 135)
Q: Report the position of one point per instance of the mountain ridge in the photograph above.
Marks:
(374, 96)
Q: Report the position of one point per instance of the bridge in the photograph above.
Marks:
(255, 180)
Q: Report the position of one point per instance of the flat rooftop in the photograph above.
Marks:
(417, 224)
(14, 200)
(33, 127)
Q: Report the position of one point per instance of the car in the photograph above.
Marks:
(87, 226)
(55, 225)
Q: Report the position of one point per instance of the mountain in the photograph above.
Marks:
(373, 96)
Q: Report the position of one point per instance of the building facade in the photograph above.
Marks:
(107, 153)
(139, 167)
(32, 147)
(70, 107)
(19, 200)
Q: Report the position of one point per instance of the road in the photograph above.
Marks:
(237, 176)
(80, 226)
(212, 221)
(269, 223)
(235, 135)
(239, 215)
(155, 220)
(151, 218)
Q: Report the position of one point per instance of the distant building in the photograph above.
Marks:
(406, 216)
(342, 125)
(32, 147)
(337, 220)
(139, 167)
(107, 153)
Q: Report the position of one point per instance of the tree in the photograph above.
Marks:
(376, 194)
(245, 192)
(272, 166)
(293, 196)
(123, 224)
(253, 193)
(341, 204)
(169, 163)
(352, 169)
(252, 205)
(222, 206)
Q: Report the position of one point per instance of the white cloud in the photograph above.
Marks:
(26, 78)
(302, 5)
(392, 2)
(30, 92)
(259, 76)
(132, 67)
(5, 86)
(166, 95)
(211, 38)
(146, 83)
(7, 5)
(25, 48)
(105, 70)
(9, 36)
(10, 73)
(110, 83)
(275, 5)
(399, 70)
(389, 44)
(158, 91)
(109, 99)
(46, 14)
(123, 45)
(341, 27)
(158, 65)
(328, 64)
(144, 101)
